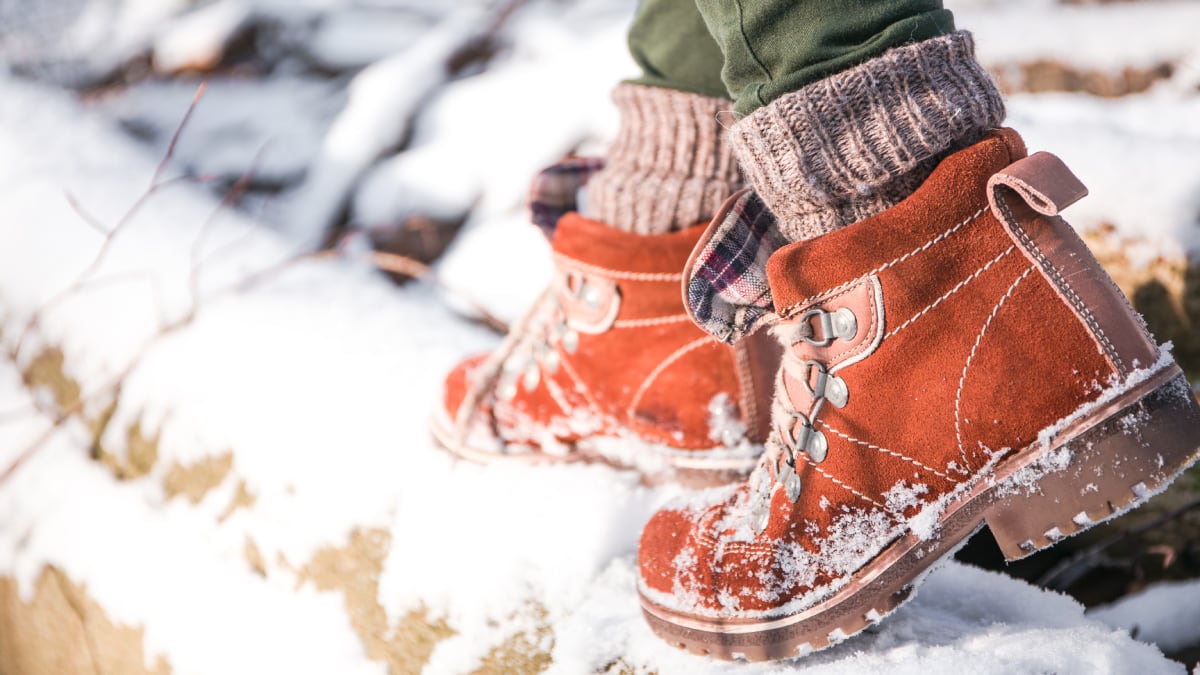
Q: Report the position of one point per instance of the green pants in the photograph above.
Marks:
(754, 51)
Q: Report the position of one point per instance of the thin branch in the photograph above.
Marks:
(187, 116)
(110, 235)
(37, 444)
(386, 261)
(115, 279)
(157, 182)
(470, 51)
(84, 215)
(234, 193)
(114, 384)
(399, 264)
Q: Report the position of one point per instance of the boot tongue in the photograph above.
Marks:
(726, 287)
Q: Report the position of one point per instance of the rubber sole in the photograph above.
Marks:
(1113, 459)
(656, 468)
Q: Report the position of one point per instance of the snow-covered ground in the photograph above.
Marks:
(261, 412)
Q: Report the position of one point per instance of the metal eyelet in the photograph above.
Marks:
(590, 294)
(810, 440)
(829, 387)
(588, 304)
(574, 282)
(816, 446)
(842, 325)
(570, 341)
(790, 481)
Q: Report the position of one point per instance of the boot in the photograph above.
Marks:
(960, 359)
(607, 367)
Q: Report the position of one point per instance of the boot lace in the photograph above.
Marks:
(794, 431)
(572, 304)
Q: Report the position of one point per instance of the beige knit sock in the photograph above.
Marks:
(856, 143)
(669, 167)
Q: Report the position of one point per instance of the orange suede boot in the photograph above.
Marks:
(607, 367)
(958, 359)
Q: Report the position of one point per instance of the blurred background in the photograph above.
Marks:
(411, 129)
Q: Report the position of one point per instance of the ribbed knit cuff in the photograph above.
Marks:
(856, 143)
(670, 166)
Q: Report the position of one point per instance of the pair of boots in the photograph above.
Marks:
(871, 396)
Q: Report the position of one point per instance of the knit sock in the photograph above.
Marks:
(670, 166)
(854, 144)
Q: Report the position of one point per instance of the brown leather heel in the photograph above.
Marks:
(1115, 465)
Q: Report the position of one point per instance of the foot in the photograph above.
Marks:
(607, 367)
(956, 360)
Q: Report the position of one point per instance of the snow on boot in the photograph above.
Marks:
(956, 360)
(607, 367)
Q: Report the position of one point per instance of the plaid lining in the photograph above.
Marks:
(555, 191)
(727, 290)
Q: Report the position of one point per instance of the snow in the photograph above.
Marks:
(360, 37)
(375, 118)
(962, 620)
(198, 40)
(1157, 203)
(240, 124)
(299, 376)
(1083, 36)
(320, 379)
(1167, 614)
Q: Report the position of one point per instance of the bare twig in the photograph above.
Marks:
(481, 44)
(110, 235)
(187, 116)
(113, 386)
(234, 193)
(58, 420)
(84, 280)
(398, 264)
(83, 214)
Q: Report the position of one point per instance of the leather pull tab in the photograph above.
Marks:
(1042, 180)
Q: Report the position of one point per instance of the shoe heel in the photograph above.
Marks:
(1099, 473)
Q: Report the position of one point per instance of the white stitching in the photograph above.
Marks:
(753, 547)
(556, 394)
(666, 363)
(962, 381)
(897, 261)
(580, 386)
(954, 290)
(883, 450)
(620, 275)
(479, 388)
(847, 487)
(1061, 283)
(655, 321)
(853, 350)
